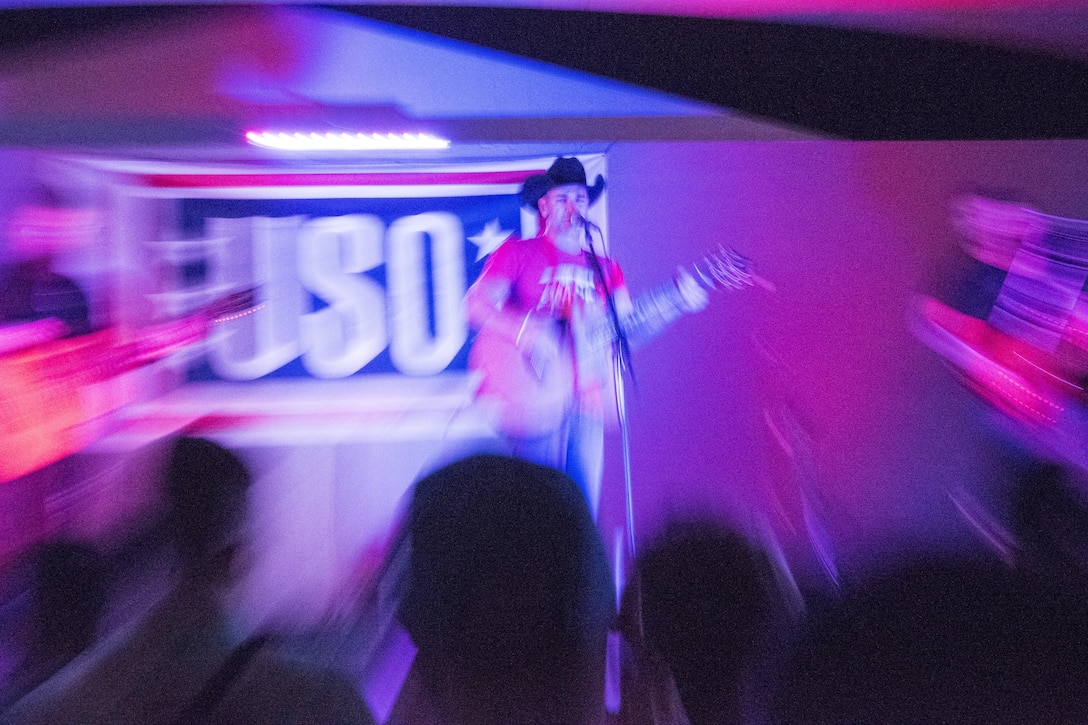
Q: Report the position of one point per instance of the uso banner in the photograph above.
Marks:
(359, 273)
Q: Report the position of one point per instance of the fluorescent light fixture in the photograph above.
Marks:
(345, 141)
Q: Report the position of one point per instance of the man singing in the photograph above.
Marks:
(546, 311)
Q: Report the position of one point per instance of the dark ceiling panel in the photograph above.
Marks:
(28, 28)
(846, 82)
(839, 81)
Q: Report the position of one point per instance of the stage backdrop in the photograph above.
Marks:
(360, 272)
(350, 379)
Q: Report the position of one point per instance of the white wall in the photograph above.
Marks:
(848, 232)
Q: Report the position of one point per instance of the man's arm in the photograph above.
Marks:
(489, 312)
(649, 314)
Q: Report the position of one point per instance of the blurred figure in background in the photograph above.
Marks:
(61, 580)
(31, 288)
(38, 304)
(1014, 330)
(991, 228)
(184, 661)
(508, 600)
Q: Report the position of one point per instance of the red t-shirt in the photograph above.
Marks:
(549, 282)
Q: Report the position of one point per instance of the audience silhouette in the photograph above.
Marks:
(183, 661)
(508, 599)
(944, 640)
(67, 585)
(697, 616)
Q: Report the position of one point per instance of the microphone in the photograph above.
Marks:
(576, 217)
(588, 228)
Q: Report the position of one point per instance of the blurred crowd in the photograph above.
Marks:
(501, 583)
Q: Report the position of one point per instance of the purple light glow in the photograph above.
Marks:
(345, 141)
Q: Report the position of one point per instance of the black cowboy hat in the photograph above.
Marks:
(564, 170)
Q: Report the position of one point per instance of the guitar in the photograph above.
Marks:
(530, 400)
(55, 395)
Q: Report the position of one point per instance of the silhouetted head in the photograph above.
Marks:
(205, 486)
(1050, 520)
(508, 588)
(707, 595)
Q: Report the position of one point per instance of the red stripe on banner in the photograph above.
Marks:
(212, 181)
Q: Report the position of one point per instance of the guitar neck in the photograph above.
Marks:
(655, 310)
(651, 313)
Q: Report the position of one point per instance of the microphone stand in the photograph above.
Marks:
(621, 362)
(622, 347)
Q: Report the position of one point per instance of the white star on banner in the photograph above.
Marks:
(490, 238)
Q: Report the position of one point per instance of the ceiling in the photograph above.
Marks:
(848, 76)
(978, 69)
